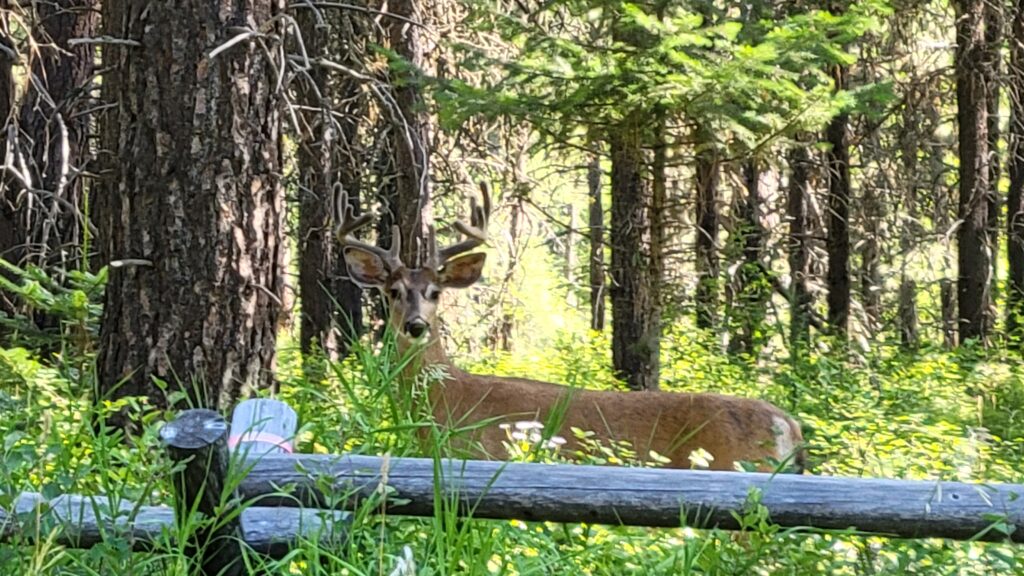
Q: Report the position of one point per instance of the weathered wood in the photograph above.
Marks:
(263, 426)
(644, 496)
(197, 441)
(84, 521)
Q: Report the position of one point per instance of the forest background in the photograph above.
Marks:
(816, 204)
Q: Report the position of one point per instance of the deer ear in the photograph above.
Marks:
(463, 271)
(365, 268)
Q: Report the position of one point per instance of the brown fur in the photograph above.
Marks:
(672, 424)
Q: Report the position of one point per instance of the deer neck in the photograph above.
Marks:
(430, 353)
(424, 355)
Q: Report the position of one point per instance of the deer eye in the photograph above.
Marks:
(396, 294)
(433, 294)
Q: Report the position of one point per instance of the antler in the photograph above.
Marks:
(475, 231)
(350, 223)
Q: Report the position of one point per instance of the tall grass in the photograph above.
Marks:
(934, 414)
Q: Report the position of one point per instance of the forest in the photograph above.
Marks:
(404, 218)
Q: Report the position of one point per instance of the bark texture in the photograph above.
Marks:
(993, 42)
(55, 130)
(194, 204)
(8, 215)
(1015, 194)
(838, 239)
(596, 225)
(411, 132)
(706, 174)
(910, 138)
(799, 247)
(636, 324)
(329, 161)
(750, 287)
(974, 253)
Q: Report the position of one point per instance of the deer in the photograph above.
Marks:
(733, 430)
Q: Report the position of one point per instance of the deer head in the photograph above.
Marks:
(413, 293)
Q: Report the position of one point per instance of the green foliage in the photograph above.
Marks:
(72, 304)
(755, 82)
(932, 414)
(899, 415)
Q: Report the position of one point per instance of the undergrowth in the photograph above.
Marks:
(933, 414)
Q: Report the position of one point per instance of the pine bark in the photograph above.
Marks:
(993, 42)
(944, 210)
(1015, 193)
(411, 132)
(750, 287)
(329, 161)
(706, 175)
(799, 247)
(974, 254)
(910, 146)
(838, 239)
(55, 129)
(9, 240)
(636, 324)
(596, 225)
(195, 204)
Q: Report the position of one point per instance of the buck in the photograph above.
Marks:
(672, 424)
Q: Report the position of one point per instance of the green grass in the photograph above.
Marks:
(931, 415)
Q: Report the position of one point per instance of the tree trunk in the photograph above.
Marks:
(636, 324)
(1015, 194)
(974, 247)
(751, 287)
(9, 240)
(105, 200)
(993, 41)
(943, 216)
(838, 240)
(871, 226)
(328, 159)
(55, 129)
(596, 223)
(196, 205)
(871, 255)
(799, 248)
(501, 331)
(908, 225)
(656, 216)
(570, 262)
(411, 132)
(706, 172)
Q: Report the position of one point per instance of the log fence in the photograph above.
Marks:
(256, 493)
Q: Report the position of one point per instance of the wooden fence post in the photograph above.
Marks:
(197, 441)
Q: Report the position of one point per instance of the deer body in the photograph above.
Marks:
(672, 424)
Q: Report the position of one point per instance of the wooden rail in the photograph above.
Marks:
(293, 489)
(84, 521)
(645, 496)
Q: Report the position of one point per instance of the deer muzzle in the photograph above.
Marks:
(416, 328)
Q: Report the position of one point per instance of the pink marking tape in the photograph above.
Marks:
(264, 437)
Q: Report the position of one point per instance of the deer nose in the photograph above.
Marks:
(416, 328)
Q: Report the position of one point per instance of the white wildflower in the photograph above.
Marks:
(701, 458)
(406, 565)
(554, 442)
